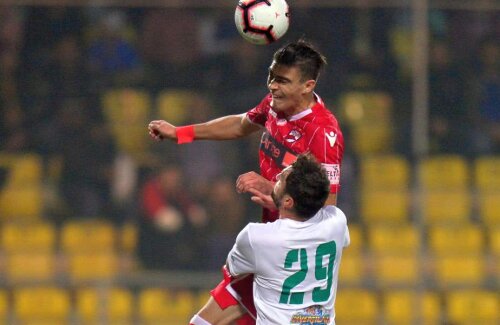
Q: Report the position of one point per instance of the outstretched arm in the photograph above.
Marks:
(223, 128)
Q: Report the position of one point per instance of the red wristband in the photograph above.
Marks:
(185, 134)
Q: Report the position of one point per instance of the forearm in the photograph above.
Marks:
(224, 128)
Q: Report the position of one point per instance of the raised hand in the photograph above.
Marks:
(252, 180)
(160, 130)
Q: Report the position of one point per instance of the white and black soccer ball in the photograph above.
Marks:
(262, 21)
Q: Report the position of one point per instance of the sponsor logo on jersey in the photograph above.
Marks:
(316, 315)
(281, 155)
(332, 137)
(293, 136)
(333, 172)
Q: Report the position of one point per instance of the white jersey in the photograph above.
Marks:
(295, 266)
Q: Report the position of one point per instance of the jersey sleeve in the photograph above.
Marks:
(327, 145)
(241, 258)
(258, 114)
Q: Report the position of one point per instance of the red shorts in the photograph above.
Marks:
(231, 292)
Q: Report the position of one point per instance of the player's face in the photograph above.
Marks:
(287, 88)
(279, 188)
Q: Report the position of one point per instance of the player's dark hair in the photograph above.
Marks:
(303, 55)
(308, 185)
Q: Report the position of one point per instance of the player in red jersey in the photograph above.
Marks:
(295, 120)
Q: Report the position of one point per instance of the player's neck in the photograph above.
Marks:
(303, 106)
(286, 214)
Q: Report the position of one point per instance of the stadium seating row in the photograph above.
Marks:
(401, 255)
(129, 110)
(94, 235)
(380, 270)
(469, 238)
(120, 305)
(98, 305)
(74, 236)
(406, 270)
(443, 189)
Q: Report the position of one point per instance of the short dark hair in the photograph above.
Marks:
(303, 55)
(308, 185)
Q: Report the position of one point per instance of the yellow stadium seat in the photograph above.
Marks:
(489, 207)
(88, 236)
(128, 112)
(356, 235)
(494, 240)
(401, 239)
(202, 299)
(408, 307)
(27, 170)
(22, 169)
(458, 240)
(444, 172)
(4, 306)
(487, 173)
(384, 172)
(27, 266)
(175, 105)
(154, 306)
(384, 205)
(132, 140)
(161, 306)
(370, 138)
(128, 238)
(18, 203)
(367, 106)
(453, 270)
(28, 237)
(183, 304)
(396, 269)
(473, 307)
(105, 305)
(352, 270)
(126, 106)
(92, 266)
(446, 206)
(36, 305)
(356, 307)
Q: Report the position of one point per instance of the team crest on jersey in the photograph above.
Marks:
(293, 136)
(316, 315)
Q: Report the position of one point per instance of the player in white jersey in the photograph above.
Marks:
(295, 260)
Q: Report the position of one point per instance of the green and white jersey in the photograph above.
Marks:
(295, 266)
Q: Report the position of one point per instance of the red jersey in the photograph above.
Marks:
(314, 130)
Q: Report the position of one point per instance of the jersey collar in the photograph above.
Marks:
(300, 115)
(308, 111)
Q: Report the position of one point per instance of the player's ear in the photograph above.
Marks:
(287, 201)
(309, 86)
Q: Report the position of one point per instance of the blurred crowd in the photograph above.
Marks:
(57, 63)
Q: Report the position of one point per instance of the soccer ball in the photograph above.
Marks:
(262, 21)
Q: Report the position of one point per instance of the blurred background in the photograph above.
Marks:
(84, 192)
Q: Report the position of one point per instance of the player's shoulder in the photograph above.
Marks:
(333, 212)
(263, 226)
(258, 231)
(322, 117)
